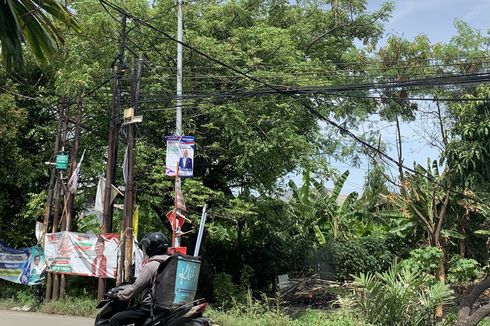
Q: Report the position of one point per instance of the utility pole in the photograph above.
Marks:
(118, 70)
(178, 124)
(73, 165)
(178, 127)
(57, 193)
(69, 197)
(49, 200)
(129, 193)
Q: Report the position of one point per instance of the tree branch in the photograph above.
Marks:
(478, 315)
(442, 214)
(422, 218)
(475, 293)
(465, 317)
(350, 23)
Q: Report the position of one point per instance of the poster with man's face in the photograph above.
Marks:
(25, 266)
(82, 253)
(180, 155)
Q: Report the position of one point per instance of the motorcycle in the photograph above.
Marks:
(189, 314)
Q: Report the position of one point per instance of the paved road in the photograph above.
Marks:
(15, 318)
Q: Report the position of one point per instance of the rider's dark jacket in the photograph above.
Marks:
(144, 282)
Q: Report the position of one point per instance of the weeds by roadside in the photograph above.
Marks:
(240, 310)
(83, 307)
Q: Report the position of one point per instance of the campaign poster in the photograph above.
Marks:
(24, 266)
(180, 152)
(84, 254)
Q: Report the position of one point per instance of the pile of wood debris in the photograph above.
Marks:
(311, 291)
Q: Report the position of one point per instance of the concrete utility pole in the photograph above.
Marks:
(178, 127)
(129, 193)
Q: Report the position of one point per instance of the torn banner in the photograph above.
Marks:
(99, 197)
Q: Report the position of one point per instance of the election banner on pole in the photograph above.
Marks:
(180, 151)
(84, 254)
(24, 266)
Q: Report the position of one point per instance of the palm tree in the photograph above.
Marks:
(35, 23)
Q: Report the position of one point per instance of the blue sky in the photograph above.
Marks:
(435, 19)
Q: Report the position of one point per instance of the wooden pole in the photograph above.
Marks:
(129, 195)
(111, 165)
(58, 196)
(49, 200)
(118, 71)
(69, 197)
(73, 165)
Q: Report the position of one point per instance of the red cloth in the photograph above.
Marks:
(171, 218)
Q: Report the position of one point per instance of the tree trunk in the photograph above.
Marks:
(441, 276)
(467, 316)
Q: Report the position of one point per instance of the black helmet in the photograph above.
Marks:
(154, 243)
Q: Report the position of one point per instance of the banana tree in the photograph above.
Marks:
(318, 211)
(35, 23)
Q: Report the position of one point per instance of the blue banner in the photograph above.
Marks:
(24, 266)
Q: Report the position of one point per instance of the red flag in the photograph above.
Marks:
(171, 218)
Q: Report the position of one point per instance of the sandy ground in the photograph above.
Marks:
(15, 318)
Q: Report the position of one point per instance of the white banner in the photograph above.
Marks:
(82, 253)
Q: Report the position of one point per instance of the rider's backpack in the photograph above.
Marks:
(176, 281)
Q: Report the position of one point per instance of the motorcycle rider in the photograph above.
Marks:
(154, 246)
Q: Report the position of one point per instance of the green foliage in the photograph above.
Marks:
(423, 260)
(88, 223)
(468, 153)
(243, 317)
(35, 23)
(375, 187)
(399, 296)
(224, 290)
(463, 270)
(327, 318)
(355, 256)
(320, 213)
(258, 313)
(13, 294)
(73, 306)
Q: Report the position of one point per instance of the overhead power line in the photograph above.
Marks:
(297, 97)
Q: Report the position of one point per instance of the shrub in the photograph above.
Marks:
(21, 295)
(399, 297)
(354, 256)
(424, 260)
(463, 270)
(224, 290)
